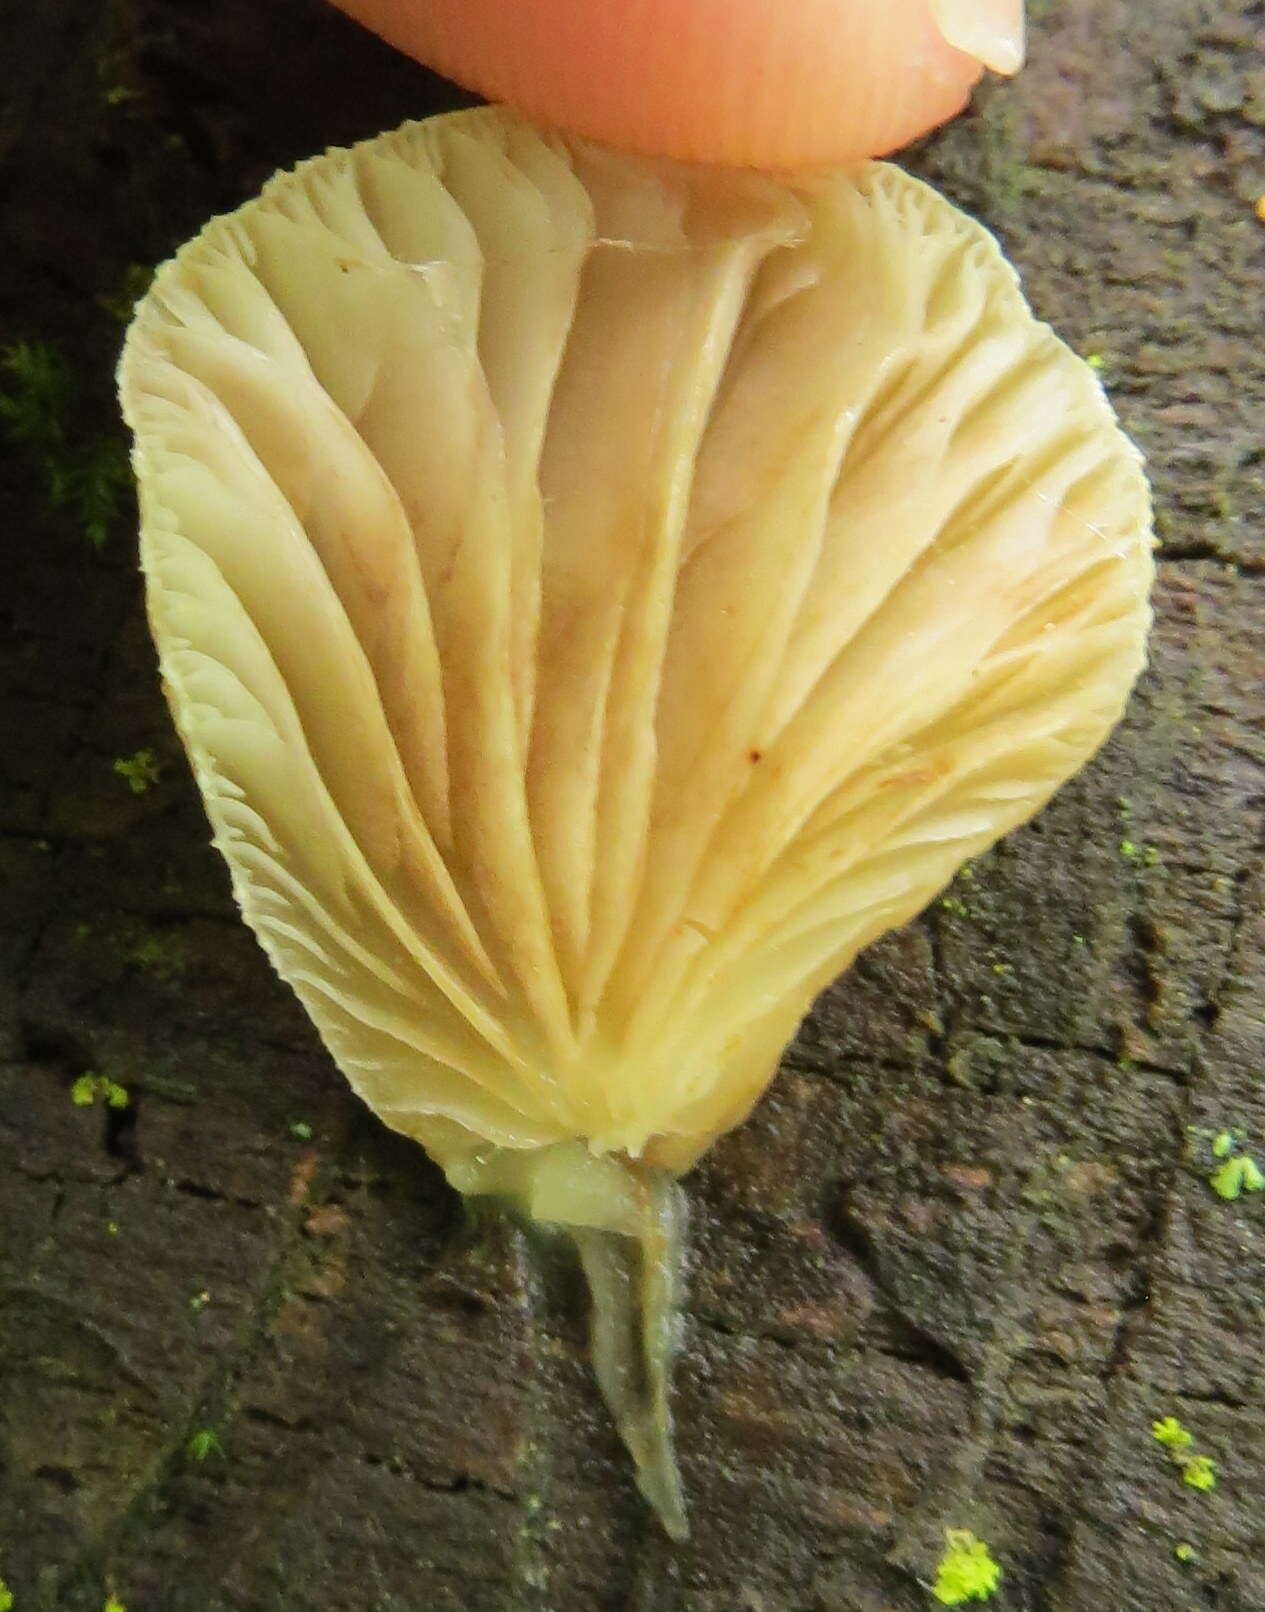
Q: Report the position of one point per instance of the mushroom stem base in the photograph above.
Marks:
(627, 1222)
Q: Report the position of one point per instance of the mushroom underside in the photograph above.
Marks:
(598, 597)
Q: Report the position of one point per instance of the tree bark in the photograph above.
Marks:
(965, 1252)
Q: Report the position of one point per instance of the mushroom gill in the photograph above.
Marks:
(598, 597)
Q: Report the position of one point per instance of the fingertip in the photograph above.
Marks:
(748, 82)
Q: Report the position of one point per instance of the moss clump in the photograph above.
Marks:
(1171, 1434)
(1198, 1471)
(161, 954)
(139, 771)
(1238, 1172)
(967, 1572)
(137, 278)
(89, 479)
(203, 1443)
(91, 1088)
(1236, 1176)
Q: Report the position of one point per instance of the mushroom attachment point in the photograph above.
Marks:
(598, 597)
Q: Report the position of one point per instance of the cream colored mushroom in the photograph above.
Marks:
(599, 597)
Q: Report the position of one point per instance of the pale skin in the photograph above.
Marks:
(751, 83)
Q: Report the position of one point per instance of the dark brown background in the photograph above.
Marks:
(964, 1253)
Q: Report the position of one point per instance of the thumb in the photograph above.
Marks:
(763, 83)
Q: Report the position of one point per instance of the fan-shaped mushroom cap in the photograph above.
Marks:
(599, 597)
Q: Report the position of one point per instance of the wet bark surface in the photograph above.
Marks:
(252, 1354)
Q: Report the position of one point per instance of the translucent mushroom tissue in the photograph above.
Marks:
(598, 597)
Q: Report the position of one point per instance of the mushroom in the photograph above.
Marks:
(599, 596)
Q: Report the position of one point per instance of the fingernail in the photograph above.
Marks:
(990, 30)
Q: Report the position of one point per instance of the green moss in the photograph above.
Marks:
(1131, 851)
(1184, 1552)
(300, 1130)
(6, 1597)
(1252, 1178)
(203, 1443)
(966, 1571)
(91, 1088)
(160, 953)
(1198, 1471)
(121, 304)
(148, 953)
(139, 771)
(1238, 1172)
(1171, 1434)
(87, 478)
(113, 1604)
(36, 397)
(175, 1091)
